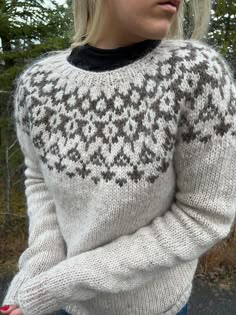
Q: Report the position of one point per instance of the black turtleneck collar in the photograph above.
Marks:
(98, 59)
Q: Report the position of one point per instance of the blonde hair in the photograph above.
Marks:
(88, 17)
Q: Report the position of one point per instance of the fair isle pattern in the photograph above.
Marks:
(126, 131)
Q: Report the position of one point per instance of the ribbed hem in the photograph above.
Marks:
(77, 310)
(181, 302)
(35, 299)
(166, 294)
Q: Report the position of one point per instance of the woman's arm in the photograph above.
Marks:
(46, 246)
(201, 215)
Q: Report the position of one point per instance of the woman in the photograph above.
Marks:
(130, 153)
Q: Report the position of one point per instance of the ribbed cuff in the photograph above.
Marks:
(34, 298)
(13, 287)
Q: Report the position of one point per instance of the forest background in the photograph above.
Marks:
(30, 28)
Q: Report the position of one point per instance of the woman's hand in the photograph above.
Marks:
(12, 310)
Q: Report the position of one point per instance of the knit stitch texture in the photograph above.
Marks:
(130, 177)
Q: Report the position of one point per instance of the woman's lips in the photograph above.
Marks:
(168, 7)
(175, 3)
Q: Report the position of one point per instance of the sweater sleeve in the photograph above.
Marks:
(201, 215)
(46, 246)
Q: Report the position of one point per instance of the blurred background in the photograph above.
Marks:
(29, 29)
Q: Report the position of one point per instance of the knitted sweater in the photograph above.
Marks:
(130, 178)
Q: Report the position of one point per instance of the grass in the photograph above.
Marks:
(13, 237)
(218, 265)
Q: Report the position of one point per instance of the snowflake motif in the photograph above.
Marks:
(118, 102)
(151, 84)
(59, 95)
(72, 100)
(38, 78)
(95, 93)
(47, 88)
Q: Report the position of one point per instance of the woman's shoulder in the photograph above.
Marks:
(191, 44)
(196, 47)
(200, 57)
(39, 64)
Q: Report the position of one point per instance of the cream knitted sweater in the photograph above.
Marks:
(130, 177)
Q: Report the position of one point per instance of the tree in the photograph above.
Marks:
(222, 33)
(28, 29)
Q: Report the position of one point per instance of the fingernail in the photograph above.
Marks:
(5, 308)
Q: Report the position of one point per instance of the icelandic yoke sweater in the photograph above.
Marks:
(130, 178)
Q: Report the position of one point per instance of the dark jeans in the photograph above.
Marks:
(183, 311)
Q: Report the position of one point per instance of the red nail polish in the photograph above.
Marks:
(5, 307)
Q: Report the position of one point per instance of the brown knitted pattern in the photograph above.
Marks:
(127, 131)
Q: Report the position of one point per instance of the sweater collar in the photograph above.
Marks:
(98, 59)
